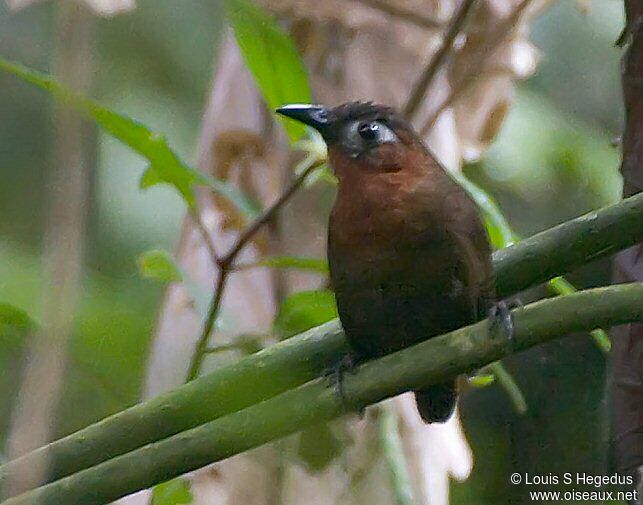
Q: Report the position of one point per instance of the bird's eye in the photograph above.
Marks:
(369, 131)
(362, 136)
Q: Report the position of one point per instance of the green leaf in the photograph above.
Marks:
(271, 57)
(14, 317)
(149, 178)
(318, 446)
(501, 235)
(296, 263)
(15, 324)
(304, 310)
(481, 380)
(322, 174)
(172, 492)
(165, 165)
(159, 265)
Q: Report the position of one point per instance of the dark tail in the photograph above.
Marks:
(437, 403)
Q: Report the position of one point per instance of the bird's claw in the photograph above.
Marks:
(335, 373)
(500, 317)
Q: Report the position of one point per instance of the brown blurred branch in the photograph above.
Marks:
(68, 194)
(476, 70)
(426, 79)
(195, 214)
(226, 265)
(406, 15)
(105, 8)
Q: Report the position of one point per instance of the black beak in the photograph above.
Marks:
(314, 116)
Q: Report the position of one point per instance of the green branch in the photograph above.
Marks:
(510, 386)
(301, 358)
(569, 245)
(504, 236)
(413, 368)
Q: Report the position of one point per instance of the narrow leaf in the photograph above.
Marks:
(481, 380)
(173, 492)
(500, 232)
(271, 57)
(165, 165)
(15, 324)
(149, 178)
(14, 317)
(318, 446)
(304, 310)
(501, 235)
(562, 286)
(509, 384)
(159, 265)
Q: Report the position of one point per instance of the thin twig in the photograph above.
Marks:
(476, 70)
(406, 15)
(269, 213)
(508, 383)
(426, 79)
(213, 313)
(226, 265)
(195, 214)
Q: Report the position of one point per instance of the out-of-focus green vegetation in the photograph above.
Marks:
(553, 160)
(272, 57)
(157, 70)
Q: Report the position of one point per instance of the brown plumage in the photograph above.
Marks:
(408, 253)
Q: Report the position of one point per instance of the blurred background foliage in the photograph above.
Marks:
(554, 159)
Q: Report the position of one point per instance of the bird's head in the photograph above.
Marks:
(368, 135)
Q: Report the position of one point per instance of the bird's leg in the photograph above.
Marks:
(347, 363)
(501, 318)
(516, 303)
(335, 373)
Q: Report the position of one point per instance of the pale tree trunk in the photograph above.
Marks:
(105, 8)
(33, 420)
(68, 195)
(355, 50)
(627, 356)
(236, 142)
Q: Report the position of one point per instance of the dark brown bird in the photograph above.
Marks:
(408, 252)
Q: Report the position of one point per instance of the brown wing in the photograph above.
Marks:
(467, 230)
(436, 283)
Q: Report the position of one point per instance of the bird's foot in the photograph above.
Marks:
(501, 319)
(515, 303)
(335, 373)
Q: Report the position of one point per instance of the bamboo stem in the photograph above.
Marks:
(301, 358)
(416, 367)
(426, 79)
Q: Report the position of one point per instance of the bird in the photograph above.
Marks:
(408, 252)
